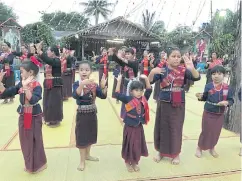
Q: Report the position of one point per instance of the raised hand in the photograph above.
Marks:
(39, 46)
(110, 51)
(25, 82)
(87, 81)
(188, 62)
(103, 81)
(2, 73)
(119, 78)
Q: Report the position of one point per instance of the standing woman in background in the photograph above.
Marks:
(6, 59)
(53, 97)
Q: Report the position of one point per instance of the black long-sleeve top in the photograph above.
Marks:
(132, 64)
(55, 63)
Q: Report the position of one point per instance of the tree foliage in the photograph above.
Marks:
(61, 21)
(181, 36)
(37, 31)
(6, 12)
(96, 8)
(148, 19)
(224, 31)
(158, 28)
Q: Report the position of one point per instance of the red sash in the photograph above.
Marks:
(104, 61)
(48, 76)
(135, 102)
(215, 63)
(28, 110)
(7, 69)
(90, 88)
(225, 88)
(63, 65)
(146, 66)
(130, 71)
(176, 79)
(162, 63)
(23, 57)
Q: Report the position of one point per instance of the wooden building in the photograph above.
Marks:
(114, 33)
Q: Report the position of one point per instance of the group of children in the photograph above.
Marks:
(129, 90)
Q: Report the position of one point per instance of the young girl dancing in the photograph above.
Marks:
(30, 115)
(137, 113)
(218, 96)
(85, 92)
(170, 111)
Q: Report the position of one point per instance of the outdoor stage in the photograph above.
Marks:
(63, 157)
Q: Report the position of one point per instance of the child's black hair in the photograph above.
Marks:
(85, 62)
(218, 69)
(28, 65)
(137, 85)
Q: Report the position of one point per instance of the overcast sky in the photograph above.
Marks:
(172, 12)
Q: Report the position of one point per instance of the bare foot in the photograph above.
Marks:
(175, 161)
(240, 154)
(158, 158)
(213, 153)
(90, 158)
(198, 153)
(136, 168)
(81, 167)
(41, 168)
(5, 102)
(129, 167)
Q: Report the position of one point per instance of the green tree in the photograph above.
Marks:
(62, 21)
(224, 31)
(181, 36)
(6, 12)
(158, 28)
(148, 19)
(37, 31)
(96, 8)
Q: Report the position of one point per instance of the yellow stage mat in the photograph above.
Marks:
(8, 121)
(62, 164)
(55, 137)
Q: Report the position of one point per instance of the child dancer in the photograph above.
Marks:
(218, 96)
(85, 92)
(137, 113)
(170, 111)
(30, 115)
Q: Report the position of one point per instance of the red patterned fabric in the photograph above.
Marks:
(134, 103)
(176, 79)
(63, 65)
(23, 57)
(48, 76)
(215, 63)
(28, 110)
(145, 63)
(130, 72)
(162, 63)
(224, 87)
(104, 60)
